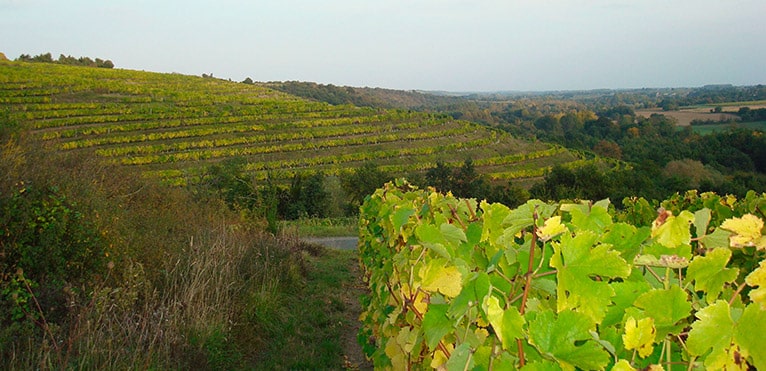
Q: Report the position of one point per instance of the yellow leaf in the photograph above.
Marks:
(551, 228)
(438, 277)
(758, 278)
(747, 231)
(640, 335)
(623, 365)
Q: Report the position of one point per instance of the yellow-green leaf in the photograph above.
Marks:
(758, 278)
(437, 275)
(747, 231)
(674, 230)
(640, 335)
(551, 228)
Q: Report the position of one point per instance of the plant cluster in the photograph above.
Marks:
(458, 284)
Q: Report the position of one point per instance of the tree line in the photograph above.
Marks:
(67, 60)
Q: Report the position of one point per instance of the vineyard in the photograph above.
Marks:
(173, 127)
(458, 284)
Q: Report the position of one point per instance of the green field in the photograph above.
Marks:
(706, 129)
(173, 127)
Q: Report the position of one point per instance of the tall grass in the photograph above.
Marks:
(187, 284)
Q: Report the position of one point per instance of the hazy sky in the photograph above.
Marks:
(457, 45)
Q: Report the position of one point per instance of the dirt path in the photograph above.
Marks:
(354, 356)
(353, 289)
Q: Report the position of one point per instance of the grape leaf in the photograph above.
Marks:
(594, 218)
(667, 307)
(474, 291)
(494, 215)
(431, 237)
(401, 216)
(577, 263)
(758, 278)
(623, 365)
(453, 234)
(714, 330)
(640, 335)
(507, 323)
(626, 239)
(674, 231)
(461, 359)
(551, 228)
(543, 365)
(710, 274)
(567, 339)
(437, 275)
(749, 334)
(747, 231)
(718, 239)
(436, 324)
(701, 221)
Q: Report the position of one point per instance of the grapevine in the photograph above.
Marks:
(460, 284)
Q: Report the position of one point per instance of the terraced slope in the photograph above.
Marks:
(174, 126)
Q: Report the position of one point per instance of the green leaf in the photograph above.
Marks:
(626, 239)
(667, 307)
(566, 338)
(718, 239)
(749, 334)
(437, 275)
(431, 237)
(701, 221)
(578, 266)
(401, 217)
(473, 293)
(436, 324)
(508, 323)
(594, 218)
(453, 234)
(710, 274)
(543, 365)
(675, 230)
(626, 293)
(714, 330)
(494, 215)
(460, 359)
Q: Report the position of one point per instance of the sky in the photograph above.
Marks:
(448, 45)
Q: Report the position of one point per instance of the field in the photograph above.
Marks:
(173, 127)
(686, 115)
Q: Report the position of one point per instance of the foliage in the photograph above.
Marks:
(68, 60)
(458, 284)
(47, 248)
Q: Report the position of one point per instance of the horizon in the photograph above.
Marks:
(427, 45)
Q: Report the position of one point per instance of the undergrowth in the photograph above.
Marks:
(166, 281)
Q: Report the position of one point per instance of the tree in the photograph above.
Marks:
(607, 148)
(440, 177)
(363, 181)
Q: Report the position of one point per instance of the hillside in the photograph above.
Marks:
(173, 127)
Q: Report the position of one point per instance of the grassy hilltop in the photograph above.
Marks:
(173, 127)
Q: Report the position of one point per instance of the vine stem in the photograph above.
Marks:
(528, 283)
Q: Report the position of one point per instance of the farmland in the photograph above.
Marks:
(173, 127)
(686, 115)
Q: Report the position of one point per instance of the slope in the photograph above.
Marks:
(174, 126)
